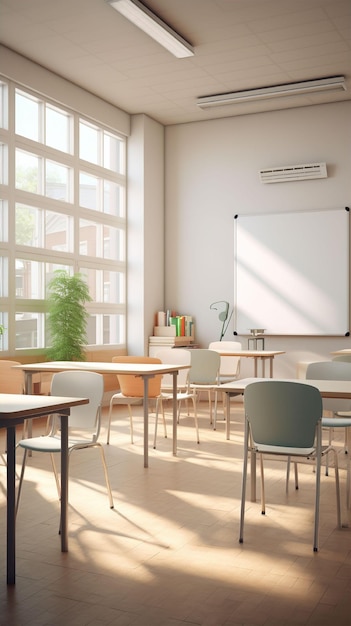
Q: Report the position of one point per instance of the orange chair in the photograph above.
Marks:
(132, 389)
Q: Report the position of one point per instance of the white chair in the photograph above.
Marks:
(184, 393)
(340, 409)
(83, 423)
(132, 390)
(204, 375)
(230, 365)
(284, 418)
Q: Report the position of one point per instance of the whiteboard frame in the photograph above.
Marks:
(292, 273)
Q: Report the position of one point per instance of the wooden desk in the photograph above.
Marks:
(257, 355)
(145, 370)
(328, 389)
(15, 409)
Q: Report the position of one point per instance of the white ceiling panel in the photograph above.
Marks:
(239, 44)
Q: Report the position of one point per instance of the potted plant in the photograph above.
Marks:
(68, 317)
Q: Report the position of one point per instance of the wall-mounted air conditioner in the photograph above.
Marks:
(293, 172)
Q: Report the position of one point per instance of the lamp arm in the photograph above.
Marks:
(225, 325)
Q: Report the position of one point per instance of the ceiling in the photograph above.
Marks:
(239, 44)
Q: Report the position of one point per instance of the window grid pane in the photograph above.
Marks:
(38, 219)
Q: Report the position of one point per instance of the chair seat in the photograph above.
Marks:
(52, 444)
(281, 450)
(120, 398)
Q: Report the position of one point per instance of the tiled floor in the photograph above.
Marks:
(168, 554)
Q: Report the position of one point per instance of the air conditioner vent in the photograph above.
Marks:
(293, 172)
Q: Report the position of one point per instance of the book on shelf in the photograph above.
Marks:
(183, 325)
(169, 324)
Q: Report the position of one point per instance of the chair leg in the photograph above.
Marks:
(296, 476)
(21, 479)
(109, 421)
(316, 512)
(196, 422)
(330, 438)
(131, 423)
(210, 407)
(243, 486)
(263, 495)
(58, 486)
(337, 487)
(159, 402)
(215, 405)
(288, 475)
(156, 424)
(215, 410)
(107, 480)
(348, 467)
(288, 463)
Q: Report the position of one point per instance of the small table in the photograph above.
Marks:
(344, 352)
(328, 389)
(15, 409)
(145, 370)
(257, 355)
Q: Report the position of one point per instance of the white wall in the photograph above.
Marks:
(212, 174)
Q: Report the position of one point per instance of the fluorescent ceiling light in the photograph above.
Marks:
(335, 83)
(153, 26)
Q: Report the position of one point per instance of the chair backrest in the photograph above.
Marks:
(331, 370)
(205, 366)
(11, 380)
(133, 386)
(81, 384)
(175, 356)
(283, 413)
(230, 365)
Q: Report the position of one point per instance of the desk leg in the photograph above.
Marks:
(271, 367)
(263, 364)
(146, 421)
(11, 505)
(228, 415)
(64, 482)
(255, 367)
(175, 411)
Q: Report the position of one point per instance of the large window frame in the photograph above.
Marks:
(58, 210)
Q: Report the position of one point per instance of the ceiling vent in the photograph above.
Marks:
(293, 172)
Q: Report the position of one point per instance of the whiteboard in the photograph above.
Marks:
(291, 273)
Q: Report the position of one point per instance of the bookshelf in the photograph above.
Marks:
(177, 334)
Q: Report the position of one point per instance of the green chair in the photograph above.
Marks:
(337, 369)
(283, 418)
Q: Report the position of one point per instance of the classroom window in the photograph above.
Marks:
(62, 207)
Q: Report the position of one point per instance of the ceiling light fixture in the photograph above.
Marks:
(153, 26)
(334, 83)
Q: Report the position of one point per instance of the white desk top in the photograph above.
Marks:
(137, 369)
(327, 388)
(255, 354)
(22, 406)
(344, 351)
